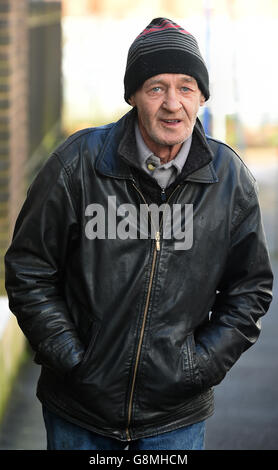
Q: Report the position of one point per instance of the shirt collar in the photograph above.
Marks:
(144, 153)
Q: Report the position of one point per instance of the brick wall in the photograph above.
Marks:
(13, 116)
(30, 101)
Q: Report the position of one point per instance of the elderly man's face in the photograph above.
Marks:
(167, 106)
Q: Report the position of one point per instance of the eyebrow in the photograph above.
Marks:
(184, 79)
(188, 79)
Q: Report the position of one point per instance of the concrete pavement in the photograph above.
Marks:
(22, 427)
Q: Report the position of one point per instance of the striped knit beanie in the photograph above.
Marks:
(164, 47)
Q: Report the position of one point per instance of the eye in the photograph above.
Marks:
(185, 89)
(156, 89)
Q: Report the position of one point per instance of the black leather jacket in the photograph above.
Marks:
(133, 333)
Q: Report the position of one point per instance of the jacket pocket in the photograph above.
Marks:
(83, 367)
(190, 364)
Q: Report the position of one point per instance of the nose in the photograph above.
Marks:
(171, 101)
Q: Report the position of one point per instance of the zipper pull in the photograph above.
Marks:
(163, 194)
(157, 238)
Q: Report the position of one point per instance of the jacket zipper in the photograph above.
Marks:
(156, 249)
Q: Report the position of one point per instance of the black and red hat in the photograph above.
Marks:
(164, 47)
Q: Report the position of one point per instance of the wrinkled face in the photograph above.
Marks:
(167, 106)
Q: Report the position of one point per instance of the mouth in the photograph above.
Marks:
(171, 122)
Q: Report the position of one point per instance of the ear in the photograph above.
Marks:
(131, 101)
(202, 100)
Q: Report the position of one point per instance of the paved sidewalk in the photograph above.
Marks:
(22, 427)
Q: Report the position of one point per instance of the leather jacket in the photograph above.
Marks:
(132, 334)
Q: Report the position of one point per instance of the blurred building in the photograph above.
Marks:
(30, 118)
(235, 37)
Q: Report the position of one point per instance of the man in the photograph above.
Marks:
(136, 313)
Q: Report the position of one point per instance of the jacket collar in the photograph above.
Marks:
(120, 146)
(108, 162)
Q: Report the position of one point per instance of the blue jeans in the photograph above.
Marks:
(63, 435)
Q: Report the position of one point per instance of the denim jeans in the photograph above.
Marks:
(63, 435)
